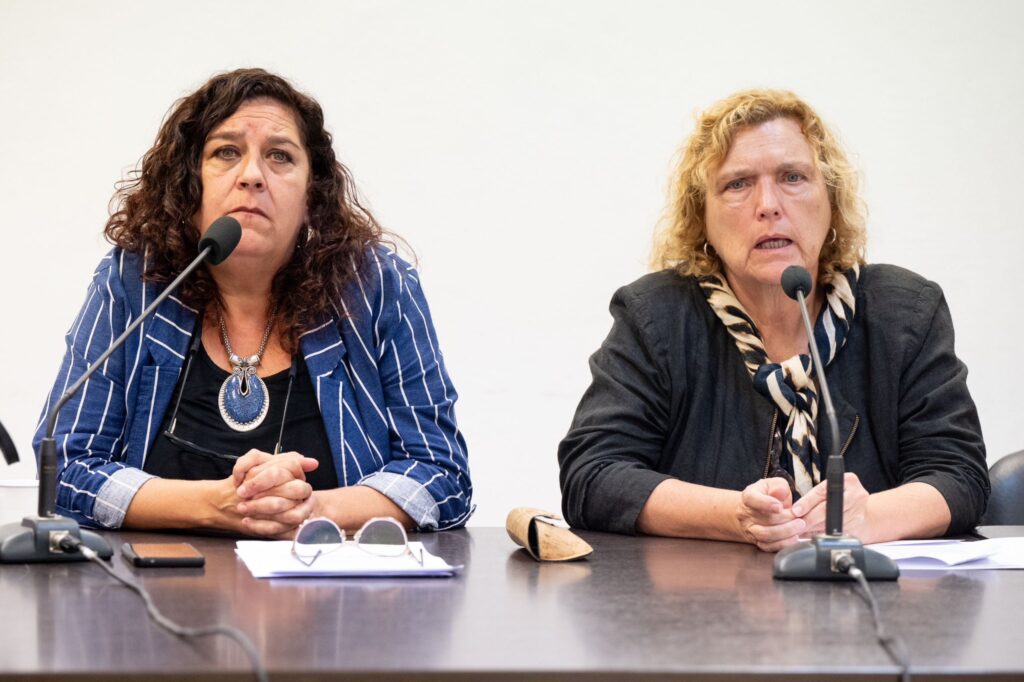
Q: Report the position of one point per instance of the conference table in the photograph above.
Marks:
(638, 607)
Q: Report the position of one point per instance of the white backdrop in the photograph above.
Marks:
(523, 149)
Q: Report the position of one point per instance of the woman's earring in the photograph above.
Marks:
(706, 254)
(835, 236)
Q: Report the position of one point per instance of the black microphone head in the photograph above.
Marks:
(222, 238)
(794, 279)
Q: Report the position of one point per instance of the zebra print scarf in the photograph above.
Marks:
(790, 384)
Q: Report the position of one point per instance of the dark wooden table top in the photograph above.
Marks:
(647, 607)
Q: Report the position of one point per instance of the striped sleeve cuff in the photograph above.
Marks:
(411, 496)
(116, 494)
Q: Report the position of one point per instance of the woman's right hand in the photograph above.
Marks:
(765, 515)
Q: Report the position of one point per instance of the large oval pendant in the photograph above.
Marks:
(243, 401)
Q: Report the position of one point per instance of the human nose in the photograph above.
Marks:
(250, 174)
(767, 201)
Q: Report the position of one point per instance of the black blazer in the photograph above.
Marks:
(671, 397)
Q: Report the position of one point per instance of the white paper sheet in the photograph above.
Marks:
(954, 555)
(274, 559)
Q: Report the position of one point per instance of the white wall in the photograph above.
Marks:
(523, 149)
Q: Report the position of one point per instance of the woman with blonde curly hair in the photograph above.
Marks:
(702, 417)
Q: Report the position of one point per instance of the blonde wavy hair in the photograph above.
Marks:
(682, 237)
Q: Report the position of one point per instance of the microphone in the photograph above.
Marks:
(796, 282)
(216, 245)
(10, 452)
(38, 538)
(831, 555)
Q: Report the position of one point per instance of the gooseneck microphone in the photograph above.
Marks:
(37, 538)
(796, 282)
(831, 555)
(10, 452)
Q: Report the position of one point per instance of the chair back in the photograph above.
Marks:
(1006, 505)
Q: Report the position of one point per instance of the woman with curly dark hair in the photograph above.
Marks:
(299, 378)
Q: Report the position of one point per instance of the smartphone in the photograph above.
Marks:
(162, 554)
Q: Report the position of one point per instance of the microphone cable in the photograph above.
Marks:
(69, 543)
(890, 643)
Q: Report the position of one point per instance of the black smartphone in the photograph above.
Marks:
(162, 554)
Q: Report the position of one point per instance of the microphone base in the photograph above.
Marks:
(35, 540)
(816, 560)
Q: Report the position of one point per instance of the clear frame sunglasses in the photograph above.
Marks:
(380, 536)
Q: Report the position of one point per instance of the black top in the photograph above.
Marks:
(199, 422)
(671, 398)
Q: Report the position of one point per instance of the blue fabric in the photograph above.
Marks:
(385, 397)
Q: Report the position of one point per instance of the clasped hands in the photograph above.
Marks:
(271, 496)
(770, 519)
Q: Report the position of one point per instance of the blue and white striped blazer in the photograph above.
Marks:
(386, 400)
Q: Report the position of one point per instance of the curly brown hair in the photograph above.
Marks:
(156, 204)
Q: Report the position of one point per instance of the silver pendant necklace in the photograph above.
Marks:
(244, 399)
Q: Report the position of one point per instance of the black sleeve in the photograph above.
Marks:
(606, 461)
(939, 432)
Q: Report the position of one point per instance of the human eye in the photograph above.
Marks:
(280, 156)
(227, 153)
(793, 176)
(735, 184)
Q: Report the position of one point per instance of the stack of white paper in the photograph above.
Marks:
(954, 555)
(274, 559)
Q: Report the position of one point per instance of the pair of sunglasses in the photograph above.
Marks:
(380, 536)
(775, 467)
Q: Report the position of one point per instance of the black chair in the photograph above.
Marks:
(1006, 505)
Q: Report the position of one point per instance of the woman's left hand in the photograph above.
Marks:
(275, 495)
(811, 507)
(283, 525)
